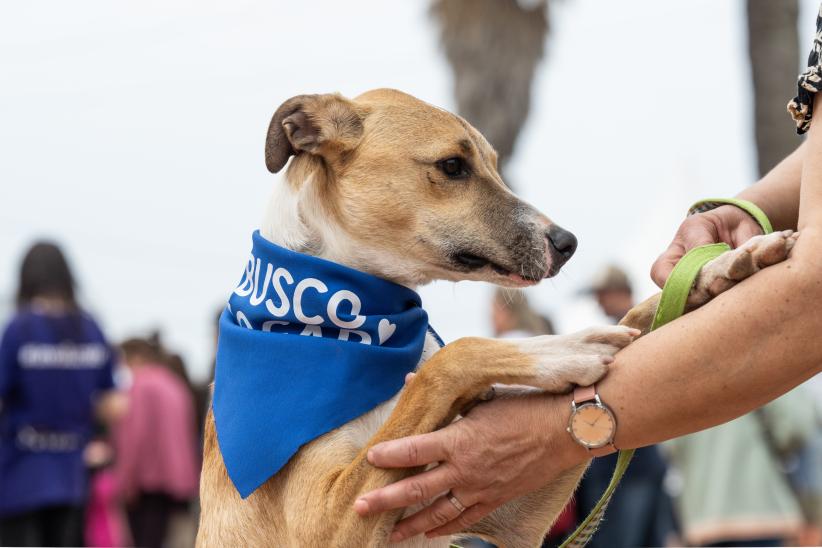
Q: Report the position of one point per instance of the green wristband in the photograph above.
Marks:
(748, 207)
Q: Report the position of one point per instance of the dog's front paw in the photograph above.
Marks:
(735, 265)
(580, 358)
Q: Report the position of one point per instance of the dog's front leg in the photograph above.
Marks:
(455, 376)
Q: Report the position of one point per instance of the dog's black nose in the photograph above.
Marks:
(562, 241)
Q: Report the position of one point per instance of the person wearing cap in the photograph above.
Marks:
(745, 348)
(612, 291)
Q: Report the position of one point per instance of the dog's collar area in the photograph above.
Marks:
(306, 345)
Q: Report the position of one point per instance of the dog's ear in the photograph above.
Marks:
(324, 125)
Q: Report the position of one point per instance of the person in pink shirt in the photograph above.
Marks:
(157, 452)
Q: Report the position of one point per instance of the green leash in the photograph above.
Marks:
(671, 306)
(748, 207)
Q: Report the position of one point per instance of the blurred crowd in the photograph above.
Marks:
(100, 443)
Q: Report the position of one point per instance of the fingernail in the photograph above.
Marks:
(635, 332)
(396, 536)
(370, 456)
(361, 506)
(607, 359)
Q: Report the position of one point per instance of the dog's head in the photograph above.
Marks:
(394, 186)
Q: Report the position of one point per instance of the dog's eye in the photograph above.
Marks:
(453, 167)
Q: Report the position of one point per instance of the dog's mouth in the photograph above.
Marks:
(469, 261)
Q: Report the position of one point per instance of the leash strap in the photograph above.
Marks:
(748, 207)
(671, 306)
(675, 293)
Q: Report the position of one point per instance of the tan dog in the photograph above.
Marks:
(392, 186)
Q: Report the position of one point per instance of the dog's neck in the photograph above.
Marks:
(297, 219)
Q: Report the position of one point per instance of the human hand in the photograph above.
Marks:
(726, 223)
(499, 451)
(810, 535)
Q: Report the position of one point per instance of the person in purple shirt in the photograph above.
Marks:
(55, 378)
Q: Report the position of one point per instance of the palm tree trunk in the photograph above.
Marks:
(773, 46)
(493, 47)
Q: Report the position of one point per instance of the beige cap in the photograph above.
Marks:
(610, 277)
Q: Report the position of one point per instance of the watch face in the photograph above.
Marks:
(592, 425)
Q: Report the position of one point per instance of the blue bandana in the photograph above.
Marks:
(306, 345)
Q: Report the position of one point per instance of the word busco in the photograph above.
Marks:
(283, 297)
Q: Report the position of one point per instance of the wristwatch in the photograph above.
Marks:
(592, 423)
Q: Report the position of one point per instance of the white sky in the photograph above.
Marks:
(132, 132)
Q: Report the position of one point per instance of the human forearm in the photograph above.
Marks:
(777, 193)
(730, 357)
(722, 360)
(713, 364)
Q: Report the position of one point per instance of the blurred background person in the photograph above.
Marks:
(612, 291)
(640, 512)
(806, 477)
(157, 466)
(56, 370)
(513, 316)
(105, 521)
(735, 490)
(182, 526)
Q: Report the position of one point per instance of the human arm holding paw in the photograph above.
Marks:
(777, 194)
